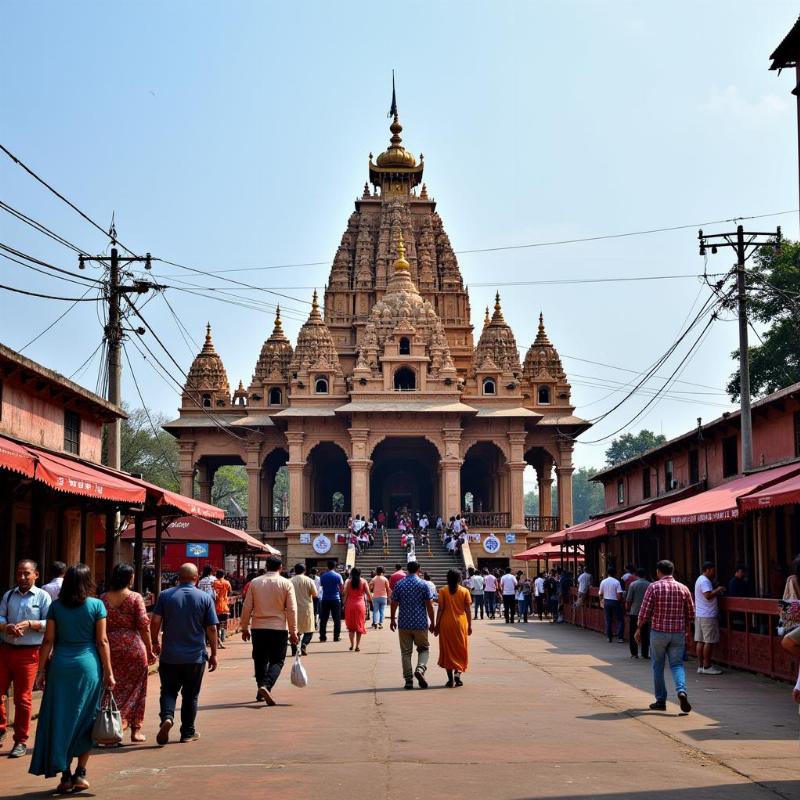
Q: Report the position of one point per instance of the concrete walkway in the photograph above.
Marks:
(546, 712)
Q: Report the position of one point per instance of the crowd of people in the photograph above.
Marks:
(77, 647)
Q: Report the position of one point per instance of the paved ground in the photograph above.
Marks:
(547, 712)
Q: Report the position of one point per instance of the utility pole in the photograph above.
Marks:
(745, 244)
(114, 334)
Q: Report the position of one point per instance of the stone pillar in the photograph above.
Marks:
(295, 466)
(205, 480)
(253, 469)
(516, 485)
(186, 466)
(359, 471)
(451, 471)
(267, 486)
(544, 477)
(564, 470)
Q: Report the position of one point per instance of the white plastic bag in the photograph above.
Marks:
(299, 674)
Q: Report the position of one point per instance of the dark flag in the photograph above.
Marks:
(393, 109)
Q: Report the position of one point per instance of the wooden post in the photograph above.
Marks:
(83, 533)
(111, 518)
(157, 558)
(138, 554)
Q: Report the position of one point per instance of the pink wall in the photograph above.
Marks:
(40, 421)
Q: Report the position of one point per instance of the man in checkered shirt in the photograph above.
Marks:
(669, 608)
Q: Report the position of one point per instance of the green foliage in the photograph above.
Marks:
(280, 494)
(587, 496)
(230, 484)
(531, 503)
(154, 455)
(629, 445)
(774, 300)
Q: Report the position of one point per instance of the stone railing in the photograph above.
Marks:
(240, 523)
(274, 524)
(543, 524)
(326, 519)
(488, 519)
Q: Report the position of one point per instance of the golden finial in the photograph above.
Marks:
(401, 265)
(314, 315)
(278, 329)
(497, 302)
(487, 318)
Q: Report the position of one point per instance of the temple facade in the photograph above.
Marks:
(386, 401)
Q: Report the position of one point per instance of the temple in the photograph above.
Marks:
(386, 401)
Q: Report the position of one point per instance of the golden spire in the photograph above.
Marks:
(486, 319)
(401, 265)
(314, 315)
(497, 317)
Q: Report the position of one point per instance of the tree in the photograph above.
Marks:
(280, 493)
(151, 453)
(774, 300)
(587, 495)
(629, 445)
(531, 503)
(230, 486)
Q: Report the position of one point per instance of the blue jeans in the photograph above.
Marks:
(490, 600)
(378, 610)
(613, 608)
(667, 646)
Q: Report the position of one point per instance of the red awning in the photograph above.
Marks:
(779, 494)
(78, 477)
(15, 457)
(196, 529)
(714, 505)
(187, 505)
(561, 536)
(544, 551)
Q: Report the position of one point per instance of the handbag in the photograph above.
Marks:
(299, 675)
(789, 616)
(107, 728)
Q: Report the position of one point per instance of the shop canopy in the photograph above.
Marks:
(546, 551)
(15, 457)
(714, 505)
(567, 533)
(779, 494)
(196, 529)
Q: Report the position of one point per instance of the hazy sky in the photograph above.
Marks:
(231, 135)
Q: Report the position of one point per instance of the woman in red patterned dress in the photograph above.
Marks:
(131, 648)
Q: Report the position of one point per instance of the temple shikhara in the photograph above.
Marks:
(386, 400)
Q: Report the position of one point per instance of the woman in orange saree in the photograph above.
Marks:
(454, 627)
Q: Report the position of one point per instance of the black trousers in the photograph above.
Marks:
(645, 633)
(269, 653)
(509, 602)
(186, 679)
(539, 602)
(332, 608)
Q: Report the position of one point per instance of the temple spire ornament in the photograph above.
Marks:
(400, 264)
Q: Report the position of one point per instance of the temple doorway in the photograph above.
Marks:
(405, 477)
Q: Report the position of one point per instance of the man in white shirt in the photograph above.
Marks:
(706, 622)
(53, 588)
(611, 599)
(584, 584)
(475, 584)
(490, 593)
(538, 595)
(508, 588)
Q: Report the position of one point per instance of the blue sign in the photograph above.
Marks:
(197, 550)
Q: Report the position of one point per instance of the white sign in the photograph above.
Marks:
(322, 544)
(305, 538)
(491, 544)
(474, 537)
(511, 538)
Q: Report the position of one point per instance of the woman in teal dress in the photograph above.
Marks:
(73, 680)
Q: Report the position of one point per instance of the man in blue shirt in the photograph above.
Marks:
(23, 618)
(331, 603)
(416, 619)
(189, 619)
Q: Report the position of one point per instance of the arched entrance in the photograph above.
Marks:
(327, 483)
(274, 492)
(405, 476)
(484, 476)
(544, 517)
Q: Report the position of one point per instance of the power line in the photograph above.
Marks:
(60, 196)
(41, 228)
(48, 296)
(52, 325)
(86, 363)
(47, 264)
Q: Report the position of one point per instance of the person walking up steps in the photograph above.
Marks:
(413, 598)
(271, 604)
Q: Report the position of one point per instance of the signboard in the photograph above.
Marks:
(511, 538)
(197, 550)
(305, 538)
(491, 544)
(474, 537)
(321, 544)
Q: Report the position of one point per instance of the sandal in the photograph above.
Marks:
(358, 649)
(66, 785)
(79, 782)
